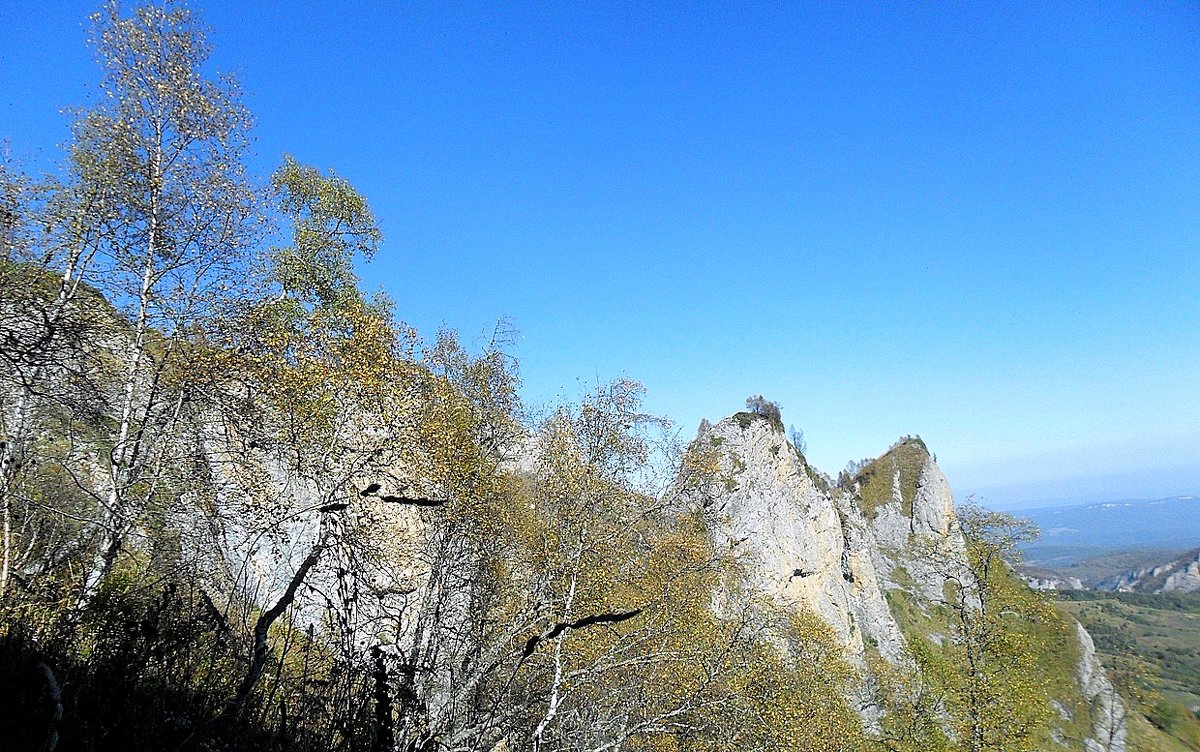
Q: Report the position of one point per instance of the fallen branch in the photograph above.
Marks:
(586, 621)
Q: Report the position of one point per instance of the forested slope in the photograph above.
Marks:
(245, 507)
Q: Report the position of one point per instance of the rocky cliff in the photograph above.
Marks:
(1180, 575)
(801, 542)
(854, 553)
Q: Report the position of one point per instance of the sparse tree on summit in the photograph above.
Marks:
(760, 405)
(797, 437)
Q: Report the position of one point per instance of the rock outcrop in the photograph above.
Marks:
(834, 550)
(1180, 575)
(798, 546)
(1109, 722)
(840, 549)
(1042, 581)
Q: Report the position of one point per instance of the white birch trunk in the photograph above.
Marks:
(114, 515)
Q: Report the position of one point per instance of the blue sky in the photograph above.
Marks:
(975, 222)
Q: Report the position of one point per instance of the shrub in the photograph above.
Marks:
(760, 405)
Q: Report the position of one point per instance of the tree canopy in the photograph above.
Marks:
(244, 507)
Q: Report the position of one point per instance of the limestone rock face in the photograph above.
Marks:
(910, 508)
(1047, 582)
(1181, 575)
(868, 604)
(775, 520)
(1108, 712)
(839, 549)
(798, 545)
(1185, 579)
(263, 518)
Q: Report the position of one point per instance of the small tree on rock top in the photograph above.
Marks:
(760, 405)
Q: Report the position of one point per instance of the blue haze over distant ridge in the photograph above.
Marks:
(1171, 523)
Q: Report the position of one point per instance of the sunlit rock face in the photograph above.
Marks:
(834, 550)
(1109, 721)
(804, 542)
(801, 542)
(909, 508)
(1181, 575)
(1038, 582)
(1185, 578)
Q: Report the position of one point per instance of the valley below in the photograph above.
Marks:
(1126, 569)
(1148, 644)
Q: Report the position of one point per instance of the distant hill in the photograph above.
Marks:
(1074, 534)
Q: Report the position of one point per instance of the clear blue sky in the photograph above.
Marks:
(975, 222)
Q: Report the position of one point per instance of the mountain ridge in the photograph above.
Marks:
(855, 553)
(1177, 575)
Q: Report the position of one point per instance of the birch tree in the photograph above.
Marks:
(162, 151)
(316, 389)
(991, 674)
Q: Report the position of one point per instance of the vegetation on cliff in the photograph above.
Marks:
(244, 507)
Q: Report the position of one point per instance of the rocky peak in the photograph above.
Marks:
(778, 516)
(842, 551)
(895, 476)
(906, 501)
